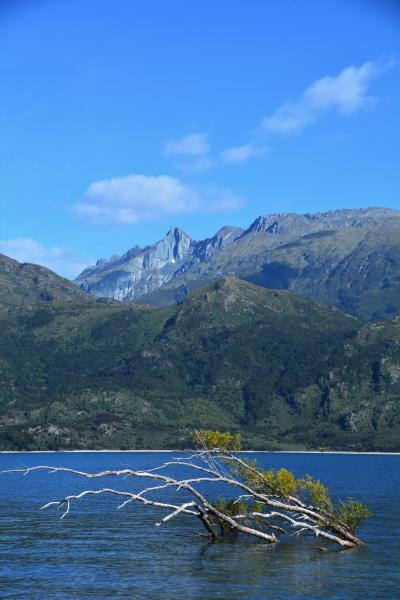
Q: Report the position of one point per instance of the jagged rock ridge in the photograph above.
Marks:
(349, 258)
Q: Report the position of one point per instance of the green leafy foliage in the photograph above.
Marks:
(352, 513)
(231, 507)
(282, 484)
(217, 440)
(316, 491)
(286, 482)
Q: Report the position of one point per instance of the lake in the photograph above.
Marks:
(100, 552)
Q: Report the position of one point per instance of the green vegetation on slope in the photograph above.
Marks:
(285, 371)
(24, 285)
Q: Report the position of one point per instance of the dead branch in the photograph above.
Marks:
(252, 490)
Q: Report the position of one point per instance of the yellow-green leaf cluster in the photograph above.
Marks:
(352, 513)
(286, 482)
(318, 493)
(217, 440)
(282, 483)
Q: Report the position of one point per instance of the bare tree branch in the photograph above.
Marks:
(252, 490)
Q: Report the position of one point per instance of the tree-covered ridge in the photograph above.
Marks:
(284, 371)
(24, 285)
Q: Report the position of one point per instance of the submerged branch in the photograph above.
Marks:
(303, 504)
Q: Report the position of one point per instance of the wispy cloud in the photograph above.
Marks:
(191, 153)
(195, 144)
(344, 94)
(136, 198)
(61, 260)
(241, 154)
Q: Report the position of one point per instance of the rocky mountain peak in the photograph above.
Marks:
(140, 270)
(337, 257)
(174, 246)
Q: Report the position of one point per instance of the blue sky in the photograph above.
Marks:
(119, 119)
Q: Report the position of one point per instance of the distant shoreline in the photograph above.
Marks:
(191, 450)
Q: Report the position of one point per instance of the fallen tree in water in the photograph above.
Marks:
(263, 504)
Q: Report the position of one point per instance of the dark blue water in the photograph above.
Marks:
(100, 552)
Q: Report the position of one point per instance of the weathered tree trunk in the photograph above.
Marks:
(260, 499)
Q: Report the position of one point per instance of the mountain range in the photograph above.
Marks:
(286, 371)
(346, 258)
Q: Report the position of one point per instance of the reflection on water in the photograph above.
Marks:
(98, 552)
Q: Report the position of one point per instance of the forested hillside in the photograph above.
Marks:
(285, 371)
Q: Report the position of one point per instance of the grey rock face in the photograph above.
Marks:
(349, 258)
(139, 271)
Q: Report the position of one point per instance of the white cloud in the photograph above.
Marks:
(240, 154)
(136, 198)
(343, 94)
(346, 93)
(61, 260)
(195, 144)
